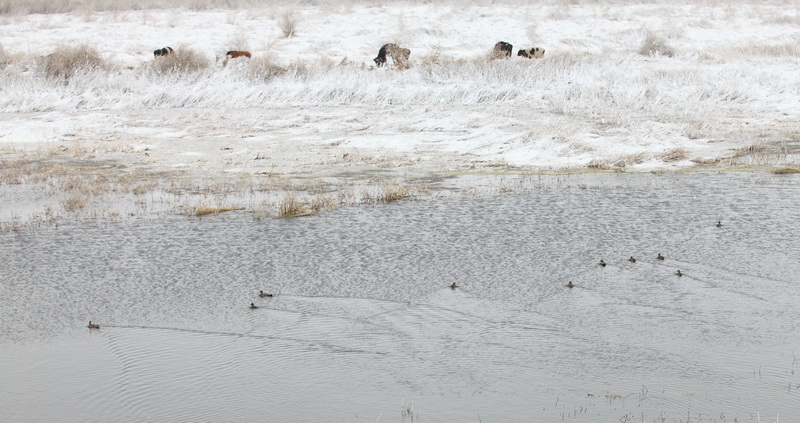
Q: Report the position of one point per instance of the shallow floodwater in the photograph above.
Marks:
(363, 326)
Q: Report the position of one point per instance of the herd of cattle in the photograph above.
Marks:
(398, 54)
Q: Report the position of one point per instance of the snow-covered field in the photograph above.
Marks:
(623, 85)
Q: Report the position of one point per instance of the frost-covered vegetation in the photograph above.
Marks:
(560, 84)
(623, 85)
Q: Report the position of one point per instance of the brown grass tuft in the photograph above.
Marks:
(74, 203)
(291, 206)
(183, 60)
(673, 155)
(322, 202)
(264, 69)
(655, 46)
(205, 210)
(65, 62)
(394, 193)
(785, 170)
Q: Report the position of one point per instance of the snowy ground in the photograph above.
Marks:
(624, 86)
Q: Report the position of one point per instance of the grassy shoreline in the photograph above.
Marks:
(59, 185)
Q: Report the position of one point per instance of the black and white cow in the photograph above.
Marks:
(166, 51)
(532, 53)
(399, 56)
(502, 50)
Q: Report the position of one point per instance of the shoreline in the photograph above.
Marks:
(63, 184)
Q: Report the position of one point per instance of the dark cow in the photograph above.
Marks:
(399, 56)
(502, 50)
(233, 54)
(166, 51)
(381, 59)
(532, 53)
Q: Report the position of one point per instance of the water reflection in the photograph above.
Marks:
(364, 326)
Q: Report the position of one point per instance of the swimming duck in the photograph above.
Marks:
(453, 286)
(264, 294)
(719, 223)
(569, 284)
(93, 325)
(659, 257)
(678, 273)
(253, 306)
(632, 260)
(602, 263)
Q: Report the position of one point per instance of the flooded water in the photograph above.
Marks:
(363, 326)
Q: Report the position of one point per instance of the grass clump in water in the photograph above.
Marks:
(291, 206)
(785, 170)
(394, 193)
(205, 210)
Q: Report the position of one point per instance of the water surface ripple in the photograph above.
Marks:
(363, 325)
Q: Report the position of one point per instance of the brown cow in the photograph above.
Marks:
(233, 54)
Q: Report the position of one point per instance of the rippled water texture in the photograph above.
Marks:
(363, 326)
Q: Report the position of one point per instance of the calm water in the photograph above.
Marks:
(364, 328)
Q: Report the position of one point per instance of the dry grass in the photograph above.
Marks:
(755, 148)
(19, 7)
(618, 162)
(74, 203)
(785, 170)
(264, 69)
(700, 161)
(770, 50)
(5, 58)
(392, 193)
(598, 164)
(322, 203)
(292, 206)
(65, 62)
(206, 210)
(288, 24)
(696, 129)
(655, 46)
(673, 155)
(183, 60)
(89, 185)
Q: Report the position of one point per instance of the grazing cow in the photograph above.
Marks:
(399, 56)
(381, 59)
(233, 54)
(502, 50)
(532, 53)
(166, 51)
